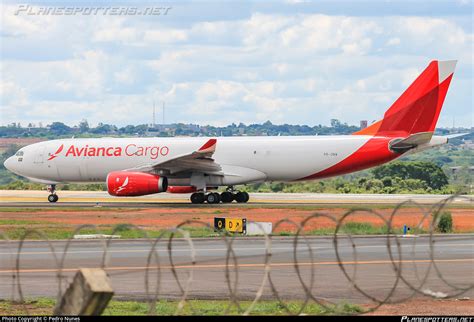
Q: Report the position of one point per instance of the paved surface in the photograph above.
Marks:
(12, 198)
(374, 272)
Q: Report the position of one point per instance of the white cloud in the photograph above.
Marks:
(166, 35)
(393, 41)
(296, 68)
(25, 25)
(116, 34)
(12, 94)
(125, 76)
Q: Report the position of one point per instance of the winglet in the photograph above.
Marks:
(209, 146)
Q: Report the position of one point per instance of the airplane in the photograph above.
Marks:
(198, 165)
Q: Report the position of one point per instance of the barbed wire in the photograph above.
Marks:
(154, 267)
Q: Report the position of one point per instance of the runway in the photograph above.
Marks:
(371, 264)
(28, 198)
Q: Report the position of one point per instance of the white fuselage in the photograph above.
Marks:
(243, 159)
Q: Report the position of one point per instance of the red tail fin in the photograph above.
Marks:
(417, 109)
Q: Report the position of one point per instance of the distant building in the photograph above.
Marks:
(363, 124)
(467, 145)
(455, 170)
(192, 127)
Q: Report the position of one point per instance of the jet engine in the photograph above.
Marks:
(128, 184)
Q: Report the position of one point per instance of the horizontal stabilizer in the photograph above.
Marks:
(414, 140)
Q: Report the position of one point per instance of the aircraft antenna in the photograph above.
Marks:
(154, 114)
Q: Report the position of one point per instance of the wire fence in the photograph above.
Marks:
(178, 272)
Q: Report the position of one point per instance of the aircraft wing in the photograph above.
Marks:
(456, 135)
(198, 161)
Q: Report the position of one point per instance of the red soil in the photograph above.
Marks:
(5, 142)
(158, 218)
(428, 307)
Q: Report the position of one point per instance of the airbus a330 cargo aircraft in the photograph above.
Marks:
(142, 166)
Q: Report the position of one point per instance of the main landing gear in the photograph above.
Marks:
(53, 197)
(226, 197)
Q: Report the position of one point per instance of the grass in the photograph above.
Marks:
(125, 231)
(219, 209)
(15, 229)
(355, 228)
(355, 206)
(55, 232)
(19, 222)
(44, 306)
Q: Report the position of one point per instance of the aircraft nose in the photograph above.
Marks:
(9, 164)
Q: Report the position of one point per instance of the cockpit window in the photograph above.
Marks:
(19, 154)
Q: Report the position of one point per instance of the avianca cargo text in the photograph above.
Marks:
(130, 150)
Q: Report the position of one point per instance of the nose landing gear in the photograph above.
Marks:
(53, 197)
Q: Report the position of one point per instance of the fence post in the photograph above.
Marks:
(88, 294)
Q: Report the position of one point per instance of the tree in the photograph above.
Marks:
(104, 128)
(84, 126)
(59, 128)
(445, 224)
(335, 123)
(429, 172)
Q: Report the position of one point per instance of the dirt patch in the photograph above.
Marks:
(160, 218)
(6, 142)
(427, 307)
(16, 308)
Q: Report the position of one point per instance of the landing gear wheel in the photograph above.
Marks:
(197, 197)
(227, 197)
(218, 197)
(247, 197)
(212, 198)
(241, 197)
(53, 197)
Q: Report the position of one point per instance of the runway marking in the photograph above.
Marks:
(158, 250)
(225, 249)
(304, 248)
(207, 266)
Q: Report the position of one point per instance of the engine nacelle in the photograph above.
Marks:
(181, 189)
(128, 184)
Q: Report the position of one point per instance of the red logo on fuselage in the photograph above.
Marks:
(55, 154)
(153, 152)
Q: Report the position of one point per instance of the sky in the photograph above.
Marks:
(223, 62)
